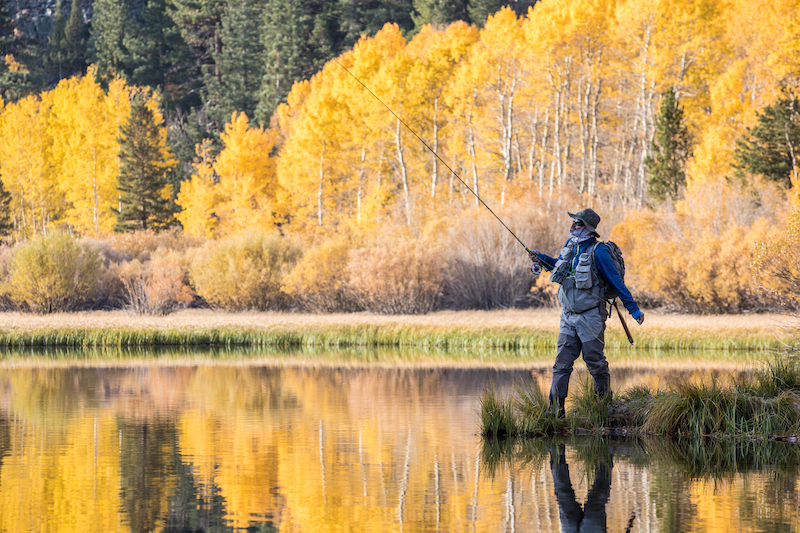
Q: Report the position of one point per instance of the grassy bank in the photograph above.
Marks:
(508, 330)
(760, 405)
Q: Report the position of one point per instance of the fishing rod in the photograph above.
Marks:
(434, 153)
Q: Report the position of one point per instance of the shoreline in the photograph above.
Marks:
(510, 329)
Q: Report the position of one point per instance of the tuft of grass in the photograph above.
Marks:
(588, 411)
(498, 419)
(766, 405)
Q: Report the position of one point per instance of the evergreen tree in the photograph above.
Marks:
(770, 148)
(299, 36)
(76, 36)
(6, 222)
(55, 52)
(15, 78)
(145, 163)
(670, 149)
(156, 55)
(438, 12)
(108, 52)
(239, 65)
(367, 17)
(479, 10)
(199, 23)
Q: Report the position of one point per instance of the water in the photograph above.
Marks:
(246, 447)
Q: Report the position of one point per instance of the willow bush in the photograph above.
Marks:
(488, 269)
(243, 272)
(53, 273)
(156, 287)
(320, 282)
(402, 276)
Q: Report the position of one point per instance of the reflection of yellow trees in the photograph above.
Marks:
(737, 504)
(62, 481)
(310, 450)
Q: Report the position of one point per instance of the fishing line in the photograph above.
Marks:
(332, 57)
(432, 151)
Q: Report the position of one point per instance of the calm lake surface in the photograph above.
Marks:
(296, 448)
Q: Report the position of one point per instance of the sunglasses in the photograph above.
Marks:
(578, 222)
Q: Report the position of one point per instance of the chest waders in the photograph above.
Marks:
(583, 322)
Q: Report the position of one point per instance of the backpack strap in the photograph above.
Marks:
(600, 280)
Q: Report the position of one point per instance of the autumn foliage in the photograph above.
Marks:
(537, 114)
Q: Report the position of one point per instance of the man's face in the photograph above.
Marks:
(576, 224)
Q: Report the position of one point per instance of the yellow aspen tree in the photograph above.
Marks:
(247, 177)
(435, 55)
(324, 142)
(633, 97)
(370, 143)
(390, 84)
(498, 63)
(548, 36)
(199, 196)
(761, 36)
(690, 51)
(85, 130)
(26, 166)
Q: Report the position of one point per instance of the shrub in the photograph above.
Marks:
(243, 272)
(319, 282)
(53, 273)
(776, 263)
(156, 287)
(402, 276)
(488, 268)
(142, 244)
(683, 261)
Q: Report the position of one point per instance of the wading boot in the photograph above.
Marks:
(557, 407)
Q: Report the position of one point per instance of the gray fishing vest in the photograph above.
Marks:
(581, 289)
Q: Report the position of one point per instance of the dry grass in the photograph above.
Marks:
(535, 319)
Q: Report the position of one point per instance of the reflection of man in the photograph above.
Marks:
(591, 517)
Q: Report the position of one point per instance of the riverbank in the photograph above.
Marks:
(510, 329)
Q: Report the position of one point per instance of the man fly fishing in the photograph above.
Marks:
(589, 280)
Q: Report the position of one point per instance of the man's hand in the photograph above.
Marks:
(640, 319)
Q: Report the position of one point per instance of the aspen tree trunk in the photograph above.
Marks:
(593, 148)
(360, 193)
(540, 163)
(403, 171)
(507, 124)
(583, 138)
(435, 174)
(471, 151)
(96, 206)
(534, 132)
(319, 188)
(557, 142)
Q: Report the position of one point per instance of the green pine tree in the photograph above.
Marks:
(157, 53)
(770, 148)
(76, 36)
(55, 52)
(234, 83)
(670, 148)
(479, 10)
(367, 17)
(144, 200)
(6, 222)
(299, 37)
(441, 12)
(109, 21)
(16, 79)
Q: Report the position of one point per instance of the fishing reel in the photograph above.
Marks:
(536, 269)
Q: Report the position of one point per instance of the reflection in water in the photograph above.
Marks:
(591, 517)
(301, 449)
